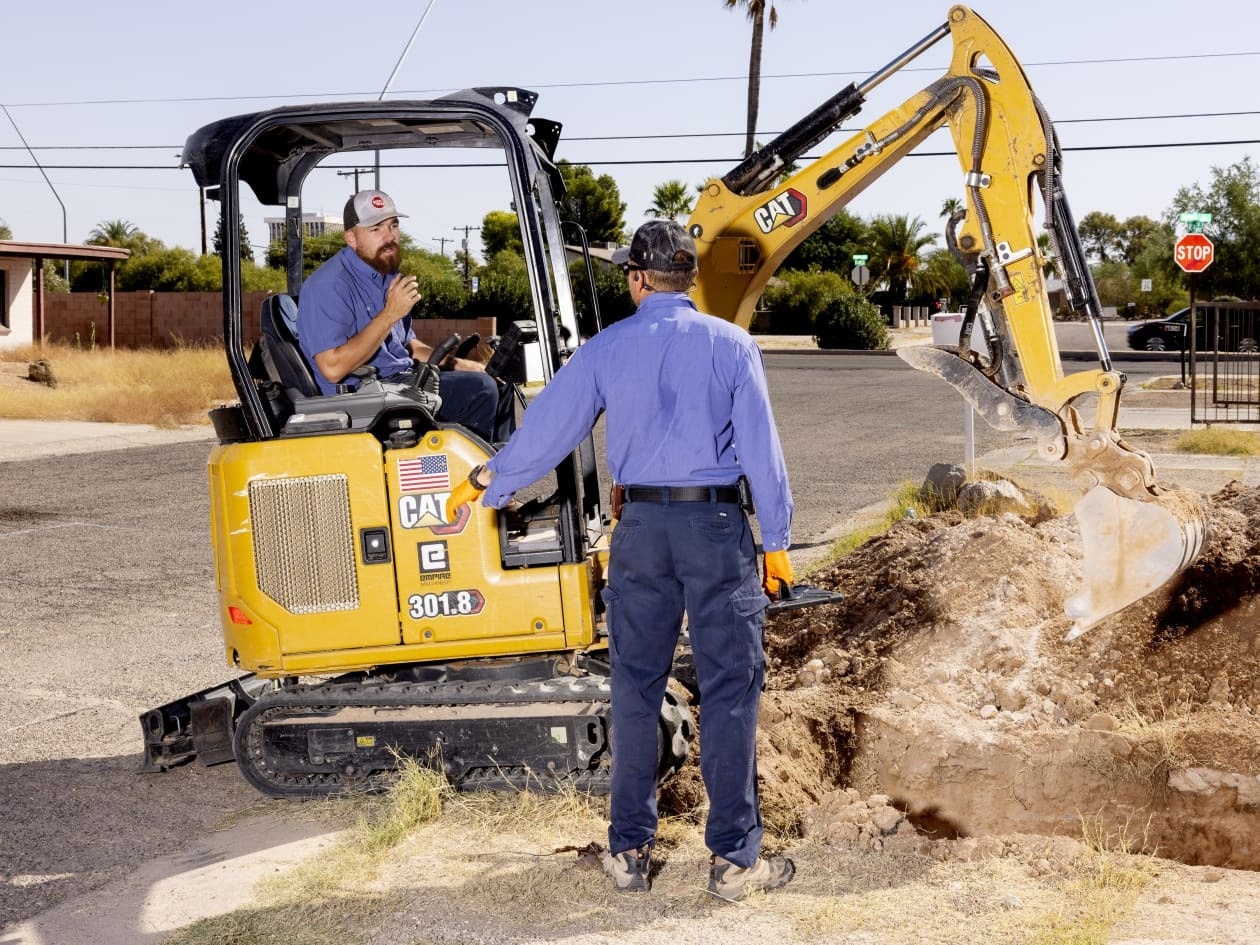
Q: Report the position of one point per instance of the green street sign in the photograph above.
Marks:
(860, 259)
(1195, 221)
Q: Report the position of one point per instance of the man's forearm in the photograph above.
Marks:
(337, 363)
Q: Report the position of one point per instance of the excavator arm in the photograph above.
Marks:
(1135, 534)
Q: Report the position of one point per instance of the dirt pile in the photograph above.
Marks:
(942, 689)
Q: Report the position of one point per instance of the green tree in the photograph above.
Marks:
(831, 247)
(503, 289)
(1115, 284)
(87, 276)
(124, 234)
(442, 293)
(1101, 235)
(500, 230)
(1233, 199)
(247, 251)
(756, 11)
(594, 203)
(950, 206)
(316, 250)
(670, 201)
(5, 232)
(612, 295)
(896, 241)
(1136, 232)
(940, 276)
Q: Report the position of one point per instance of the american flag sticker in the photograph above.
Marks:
(424, 474)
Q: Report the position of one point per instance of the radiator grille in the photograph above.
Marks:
(303, 543)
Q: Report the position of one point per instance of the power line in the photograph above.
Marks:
(666, 136)
(605, 83)
(723, 159)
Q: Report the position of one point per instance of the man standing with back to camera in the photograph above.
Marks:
(354, 310)
(688, 414)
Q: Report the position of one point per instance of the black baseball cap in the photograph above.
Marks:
(661, 246)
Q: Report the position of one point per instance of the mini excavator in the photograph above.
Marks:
(368, 627)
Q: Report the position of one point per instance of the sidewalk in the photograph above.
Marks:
(33, 439)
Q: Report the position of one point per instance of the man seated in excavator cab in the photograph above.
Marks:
(354, 311)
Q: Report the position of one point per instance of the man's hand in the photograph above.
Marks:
(463, 493)
(403, 293)
(777, 569)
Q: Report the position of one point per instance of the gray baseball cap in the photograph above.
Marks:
(659, 245)
(368, 208)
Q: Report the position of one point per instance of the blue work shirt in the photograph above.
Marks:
(337, 302)
(686, 403)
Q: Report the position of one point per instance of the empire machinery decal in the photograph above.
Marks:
(435, 562)
(787, 209)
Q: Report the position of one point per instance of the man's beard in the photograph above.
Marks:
(386, 259)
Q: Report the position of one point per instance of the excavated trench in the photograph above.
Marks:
(939, 701)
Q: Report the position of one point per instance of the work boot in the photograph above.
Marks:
(629, 870)
(728, 881)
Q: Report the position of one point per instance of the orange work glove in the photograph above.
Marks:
(463, 493)
(777, 569)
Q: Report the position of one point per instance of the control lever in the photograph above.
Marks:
(425, 377)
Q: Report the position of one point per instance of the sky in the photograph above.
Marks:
(646, 91)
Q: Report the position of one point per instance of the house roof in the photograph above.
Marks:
(10, 249)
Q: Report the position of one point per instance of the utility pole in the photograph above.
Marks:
(442, 241)
(464, 243)
(355, 174)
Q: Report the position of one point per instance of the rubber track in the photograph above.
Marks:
(331, 697)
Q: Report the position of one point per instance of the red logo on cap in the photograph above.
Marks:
(378, 203)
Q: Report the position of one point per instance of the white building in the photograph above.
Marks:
(313, 224)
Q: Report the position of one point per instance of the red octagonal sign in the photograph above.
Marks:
(1193, 252)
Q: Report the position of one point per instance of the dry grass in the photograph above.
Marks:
(434, 866)
(164, 388)
(324, 901)
(1215, 441)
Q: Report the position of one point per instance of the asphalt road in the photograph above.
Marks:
(109, 609)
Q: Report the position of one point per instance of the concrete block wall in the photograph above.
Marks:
(166, 319)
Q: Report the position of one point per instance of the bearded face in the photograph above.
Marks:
(378, 246)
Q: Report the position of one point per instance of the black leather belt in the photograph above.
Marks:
(664, 494)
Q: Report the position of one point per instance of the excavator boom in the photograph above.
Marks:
(1135, 534)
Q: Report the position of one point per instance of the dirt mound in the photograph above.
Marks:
(942, 687)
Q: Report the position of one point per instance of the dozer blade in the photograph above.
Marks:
(1131, 547)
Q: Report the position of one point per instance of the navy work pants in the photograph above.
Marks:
(665, 559)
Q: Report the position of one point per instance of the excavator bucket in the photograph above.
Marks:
(1131, 547)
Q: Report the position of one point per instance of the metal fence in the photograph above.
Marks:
(1224, 343)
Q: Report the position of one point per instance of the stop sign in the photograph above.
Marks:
(1193, 252)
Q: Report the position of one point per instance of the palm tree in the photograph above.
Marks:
(950, 206)
(670, 200)
(112, 233)
(756, 10)
(895, 244)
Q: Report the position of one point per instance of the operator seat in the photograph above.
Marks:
(279, 331)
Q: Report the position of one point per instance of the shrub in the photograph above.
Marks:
(796, 299)
(850, 322)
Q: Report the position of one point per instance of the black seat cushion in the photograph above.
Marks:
(279, 331)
